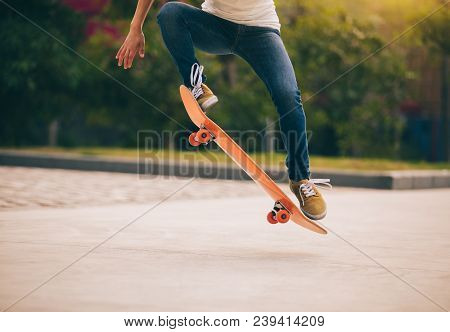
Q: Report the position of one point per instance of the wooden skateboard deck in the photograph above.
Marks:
(211, 131)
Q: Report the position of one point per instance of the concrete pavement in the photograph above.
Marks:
(92, 241)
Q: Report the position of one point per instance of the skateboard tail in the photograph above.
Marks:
(243, 160)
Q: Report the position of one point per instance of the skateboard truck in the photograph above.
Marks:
(279, 214)
(203, 136)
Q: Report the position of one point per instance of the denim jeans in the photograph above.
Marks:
(185, 27)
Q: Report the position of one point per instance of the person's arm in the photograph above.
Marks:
(135, 41)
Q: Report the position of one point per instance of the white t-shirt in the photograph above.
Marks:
(260, 13)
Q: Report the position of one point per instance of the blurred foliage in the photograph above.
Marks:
(325, 42)
(435, 32)
(43, 81)
(39, 76)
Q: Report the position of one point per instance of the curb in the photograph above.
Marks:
(397, 180)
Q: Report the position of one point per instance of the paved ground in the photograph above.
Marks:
(39, 187)
(85, 241)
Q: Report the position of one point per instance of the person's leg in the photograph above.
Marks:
(264, 50)
(184, 26)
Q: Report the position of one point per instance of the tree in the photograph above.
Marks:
(434, 33)
(94, 109)
(325, 42)
(38, 76)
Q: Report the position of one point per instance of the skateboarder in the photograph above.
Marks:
(251, 30)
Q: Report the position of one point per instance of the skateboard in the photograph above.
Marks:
(284, 209)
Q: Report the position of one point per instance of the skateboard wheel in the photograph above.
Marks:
(192, 139)
(282, 216)
(271, 218)
(203, 136)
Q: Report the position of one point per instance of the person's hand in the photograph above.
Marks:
(133, 44)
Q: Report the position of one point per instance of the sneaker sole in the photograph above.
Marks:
(209, 103)
(315, 217)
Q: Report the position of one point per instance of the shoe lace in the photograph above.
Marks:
(308, 189)
(196, 80)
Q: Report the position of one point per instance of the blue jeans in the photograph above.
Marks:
(184, 27)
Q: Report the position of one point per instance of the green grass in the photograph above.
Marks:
(276, 159)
